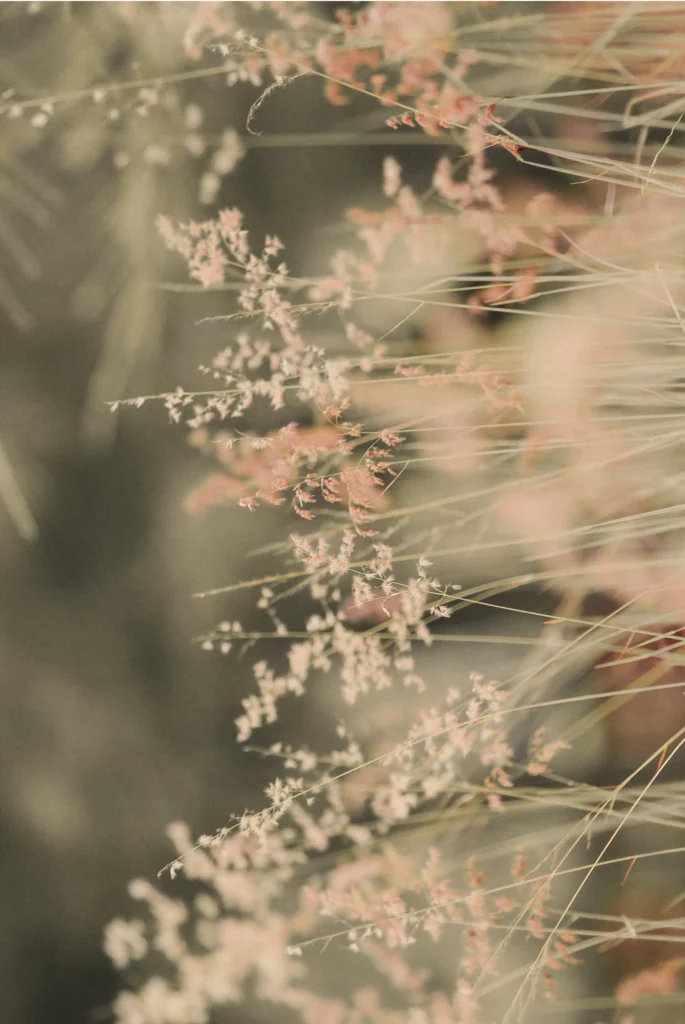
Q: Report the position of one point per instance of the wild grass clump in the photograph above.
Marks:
(478, 397)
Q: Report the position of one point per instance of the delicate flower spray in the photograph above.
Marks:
(446, 872)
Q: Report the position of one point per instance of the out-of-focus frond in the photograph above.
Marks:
(84, 87)
(14, 500)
